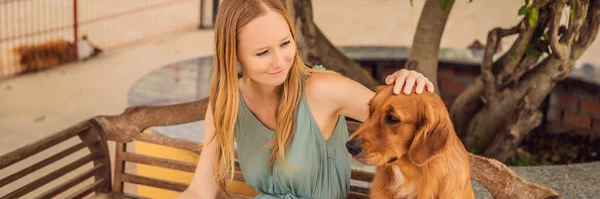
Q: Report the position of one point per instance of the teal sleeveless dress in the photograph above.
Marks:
(322, 167)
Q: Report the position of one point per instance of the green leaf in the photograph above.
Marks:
(526, 2)
(533, 16)
(570, 3)
(411, 3)
(545, 36)
(444, 4)
(523, 10)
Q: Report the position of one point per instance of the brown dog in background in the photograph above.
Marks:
(411, 141)
(35, 57)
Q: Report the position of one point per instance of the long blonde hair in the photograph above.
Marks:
(232, 16)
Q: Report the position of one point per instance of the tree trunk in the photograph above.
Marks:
(316, 49)
(425, 48)
(495, 113)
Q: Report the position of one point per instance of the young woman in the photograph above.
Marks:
(287, 119)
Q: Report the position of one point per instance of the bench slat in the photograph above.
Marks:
(43, 144)
(357, 195)
(87, 190)
(153, 182)
(68, 184)
(41, 164)
(159, 162)
(362, 176)
(50, 177)
(119, 167)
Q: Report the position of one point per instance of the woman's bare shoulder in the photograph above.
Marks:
(333, 88)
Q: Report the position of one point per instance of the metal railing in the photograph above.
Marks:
(108, 24)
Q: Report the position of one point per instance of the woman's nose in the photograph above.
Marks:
(279, 59)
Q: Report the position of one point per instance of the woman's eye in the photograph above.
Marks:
(285, 43)
(262, 53)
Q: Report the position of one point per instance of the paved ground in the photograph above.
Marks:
(34, 105)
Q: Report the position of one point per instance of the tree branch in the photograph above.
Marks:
(513, 56)
(135, 119)
(559, 49)
(589, 30)
(525, 118)
(523, 67)
(465, 106)
(517, 62)
(502, 182)
(306, 32)
(507, 70)
(493, 38)
(425, 47)
(580, 13)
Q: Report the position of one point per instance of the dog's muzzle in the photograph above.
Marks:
(353, 147)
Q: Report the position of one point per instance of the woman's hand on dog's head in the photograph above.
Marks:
(409, 79)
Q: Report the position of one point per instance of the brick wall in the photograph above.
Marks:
(573, 107)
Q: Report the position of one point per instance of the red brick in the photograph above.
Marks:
(448, 100)
(578, 120)
(445, 72)
(589, 106)
(465, 72)
(449, 86)
(554, 113)
(596, 124)
(563, 100)
(388, 71)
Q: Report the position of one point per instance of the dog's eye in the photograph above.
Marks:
(391, 119)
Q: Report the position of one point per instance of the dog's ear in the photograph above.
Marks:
(431, 138)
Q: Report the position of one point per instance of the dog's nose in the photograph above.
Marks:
(353, 147)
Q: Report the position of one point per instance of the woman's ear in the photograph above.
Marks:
(431, 137)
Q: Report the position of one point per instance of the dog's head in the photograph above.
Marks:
(412, 127)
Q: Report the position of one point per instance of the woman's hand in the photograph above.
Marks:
(408, 79)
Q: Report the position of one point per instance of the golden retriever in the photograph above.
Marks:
(411, 141)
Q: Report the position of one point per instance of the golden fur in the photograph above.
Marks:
(412, 142)
(29, 58)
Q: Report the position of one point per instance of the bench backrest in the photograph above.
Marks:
(47, 158)
(123, 157)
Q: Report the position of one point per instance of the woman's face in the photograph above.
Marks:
(266, 49)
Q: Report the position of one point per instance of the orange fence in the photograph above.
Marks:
(108, 24)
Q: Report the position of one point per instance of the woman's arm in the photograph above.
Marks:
(349, 98)
(203, 184)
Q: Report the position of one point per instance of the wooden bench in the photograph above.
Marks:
(93, 136)
(90, 174)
